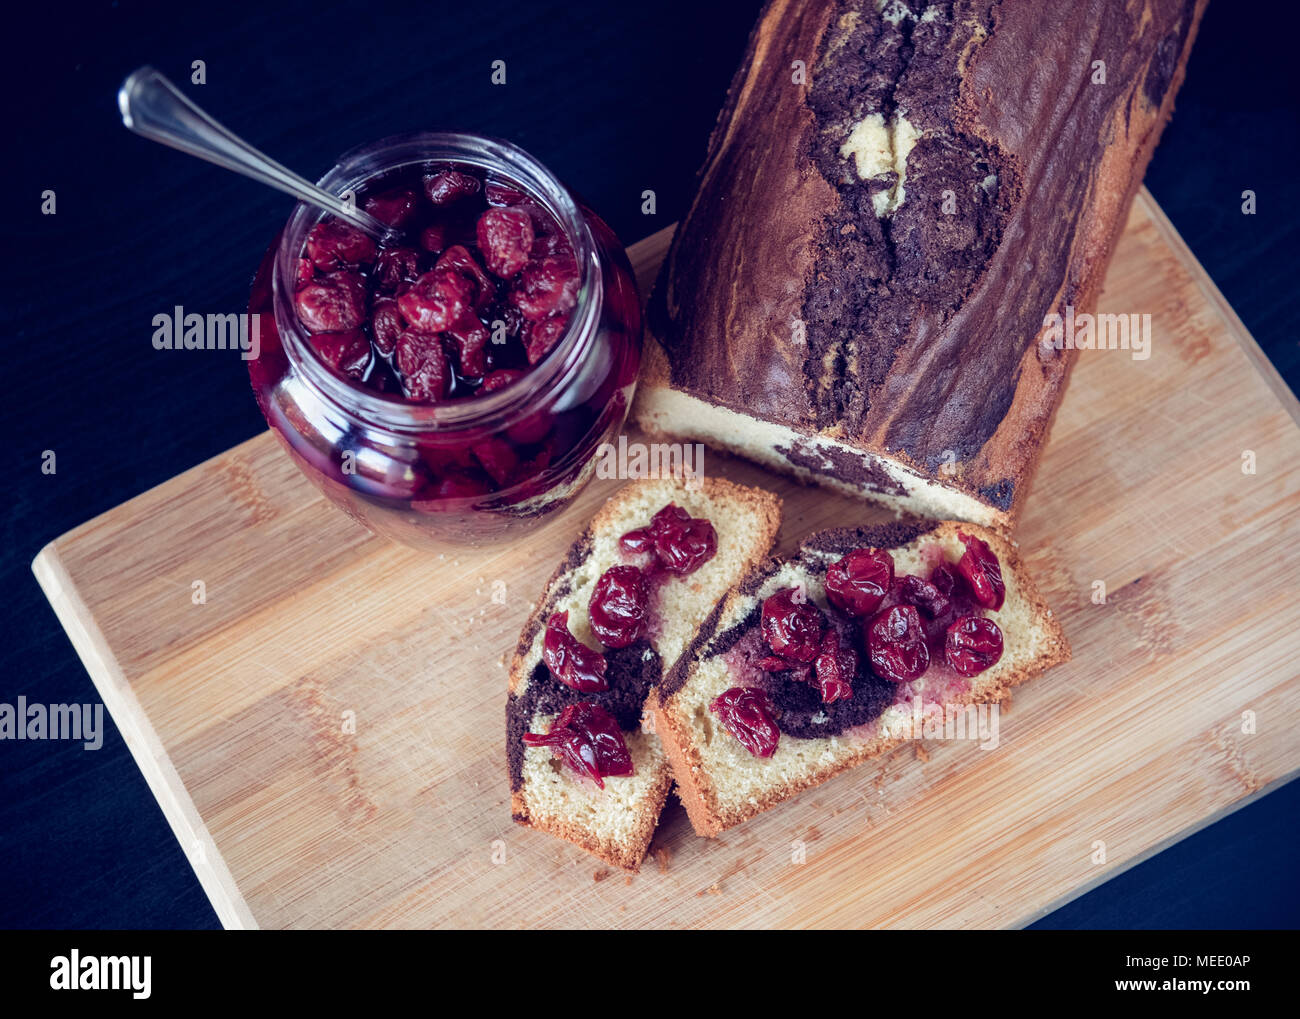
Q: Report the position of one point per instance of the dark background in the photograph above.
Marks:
(615, 98)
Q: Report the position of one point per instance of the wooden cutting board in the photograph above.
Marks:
(324, 733)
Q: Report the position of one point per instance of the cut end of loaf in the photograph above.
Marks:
(814, 458)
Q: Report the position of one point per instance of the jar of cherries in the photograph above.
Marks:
(453, 382)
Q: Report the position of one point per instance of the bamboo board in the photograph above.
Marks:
(324, 733)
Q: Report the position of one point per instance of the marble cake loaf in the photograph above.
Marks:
(894, 197)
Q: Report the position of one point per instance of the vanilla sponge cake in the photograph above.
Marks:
(722, 784)
(896, 194)
(617, 823)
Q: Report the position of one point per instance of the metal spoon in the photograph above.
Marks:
(155, 108)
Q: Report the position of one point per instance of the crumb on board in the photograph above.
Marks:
(601, 874)
(922, 754)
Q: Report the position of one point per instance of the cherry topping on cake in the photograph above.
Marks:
(982, 571)
(973, 644)
(683, 543)
(638, 542)
(749, 715)
(792, 625)
(618, 606)
(858, 583)
(834, 667)
(933, 596)
(571, 661)
(896, 644)
(679, 542)
(587, 738)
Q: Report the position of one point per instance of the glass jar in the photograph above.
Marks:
(392, 464)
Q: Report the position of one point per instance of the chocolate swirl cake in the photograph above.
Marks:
(895, 196)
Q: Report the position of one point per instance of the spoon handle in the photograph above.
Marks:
(155, 108)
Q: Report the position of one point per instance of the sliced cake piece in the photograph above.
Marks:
(818, 662)
(653, 563)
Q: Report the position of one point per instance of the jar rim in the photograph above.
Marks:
(394, 152)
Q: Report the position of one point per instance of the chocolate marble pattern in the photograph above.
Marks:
(912, 335)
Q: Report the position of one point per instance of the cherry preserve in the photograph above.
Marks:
(453, 382)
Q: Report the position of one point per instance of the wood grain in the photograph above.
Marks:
(240, 710)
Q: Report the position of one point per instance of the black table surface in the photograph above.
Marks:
(616, 98)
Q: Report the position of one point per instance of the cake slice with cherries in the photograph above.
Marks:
(821, 661)
(613, 620)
